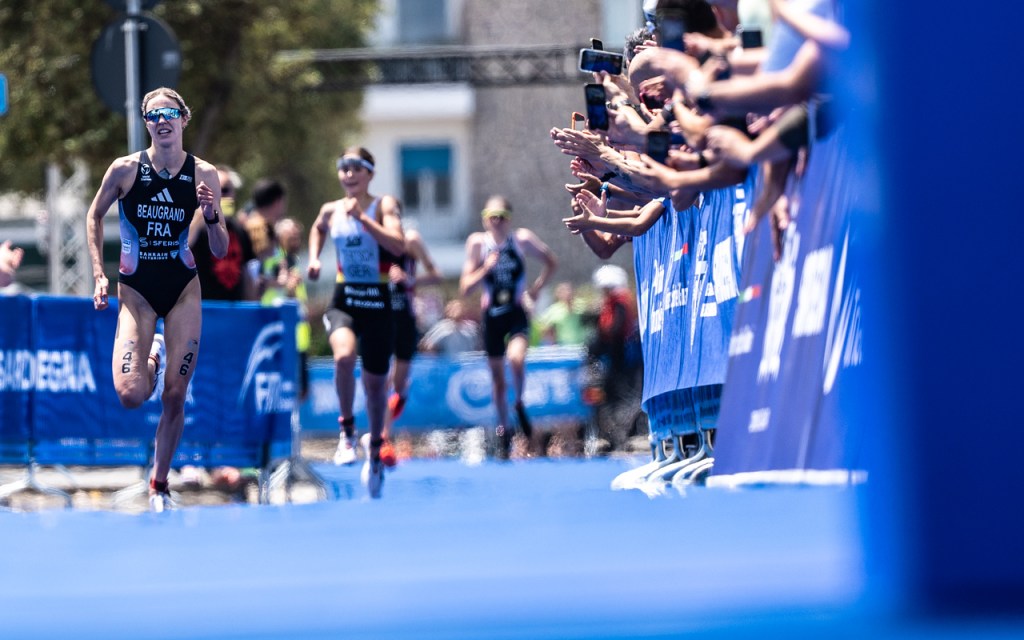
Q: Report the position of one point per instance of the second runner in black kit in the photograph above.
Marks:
(160, 192)
(368, 238)
(495, 261)
(404, 280)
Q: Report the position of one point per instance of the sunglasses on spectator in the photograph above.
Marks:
(353, 164)
(168, 113)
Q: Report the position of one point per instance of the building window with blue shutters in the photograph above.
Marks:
(426, 179)
(422, 22)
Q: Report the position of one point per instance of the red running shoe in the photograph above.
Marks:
(396, 404)
(387, 454)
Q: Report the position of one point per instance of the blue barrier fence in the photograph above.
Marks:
(15, 332)
(456, 392)
(796, 334)
(59, 406)
(687, 271)
(759, 353)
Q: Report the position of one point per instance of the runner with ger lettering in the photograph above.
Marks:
(368, 238)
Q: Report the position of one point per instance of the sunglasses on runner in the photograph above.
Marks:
(346, 164)
(168, 113)
(501, 214)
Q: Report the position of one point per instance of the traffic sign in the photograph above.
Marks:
(159, 60)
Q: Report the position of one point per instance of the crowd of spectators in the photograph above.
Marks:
(737, 88)
(728, 103)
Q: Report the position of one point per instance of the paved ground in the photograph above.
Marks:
(123, 488)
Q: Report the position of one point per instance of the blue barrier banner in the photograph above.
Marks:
(17, 363)
(796, 330)
(238, 406)
(76, 417)
(687, 269)
(717, 274)
(663, 267)
(245, 387)
(456, 392)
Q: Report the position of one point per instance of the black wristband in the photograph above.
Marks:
(608, 176)
(216, 217)
(668, 112)
(702, 162)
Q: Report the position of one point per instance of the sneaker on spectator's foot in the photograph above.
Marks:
(524, 420)
(396, 403)
(158, 354)
(346, 452)
(160, 501)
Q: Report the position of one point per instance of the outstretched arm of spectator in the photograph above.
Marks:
(592, 216)
(616, 87)
(583, 144)
(762, 92)
(773, 183)
(681, 175)
(585, 172)
(774, 143)
(823, 31)
(602, 244)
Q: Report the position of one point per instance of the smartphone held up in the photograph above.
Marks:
(595, 60)
(597, 106)
(658, 143)
(750, 37)
(670, 31)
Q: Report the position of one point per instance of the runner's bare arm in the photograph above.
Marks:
(116, 182)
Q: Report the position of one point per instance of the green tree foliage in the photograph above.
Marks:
(264, 118)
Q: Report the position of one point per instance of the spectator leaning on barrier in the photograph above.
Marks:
(159, 191)
(10, 260)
